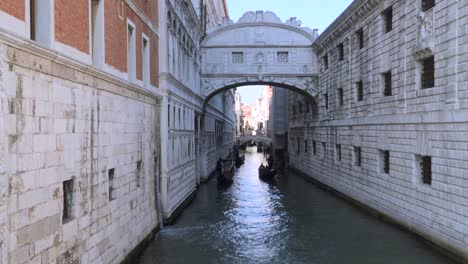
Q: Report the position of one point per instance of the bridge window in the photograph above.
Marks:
(360, 38)
(340, 52)
(283, 57)
(237, 57)
(387, 16)
(338, 152)
(427, 4)
(427, 72)
(387, 82)
(357, 156)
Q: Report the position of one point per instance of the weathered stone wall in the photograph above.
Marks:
(60, 120)
(412, 121)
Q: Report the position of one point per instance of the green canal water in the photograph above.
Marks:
(290, 221)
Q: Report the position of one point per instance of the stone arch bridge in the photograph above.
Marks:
(252, 138)
(260, 49)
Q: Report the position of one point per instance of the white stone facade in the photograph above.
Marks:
(61, 120)
(410, 123)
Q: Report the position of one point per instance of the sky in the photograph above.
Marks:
(313, 14)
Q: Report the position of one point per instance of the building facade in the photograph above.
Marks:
(391, 130)
(79, 129)
(193, 134)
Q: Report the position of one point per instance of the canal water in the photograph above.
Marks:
(290, 221)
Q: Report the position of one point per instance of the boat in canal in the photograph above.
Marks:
(266, 173)
(227, 171)
(240, 160)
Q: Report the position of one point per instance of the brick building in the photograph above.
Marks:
(391, 131)
(79, 129)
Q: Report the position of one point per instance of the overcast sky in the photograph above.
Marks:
(313, 14)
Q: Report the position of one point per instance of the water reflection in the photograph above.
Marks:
(290, 221)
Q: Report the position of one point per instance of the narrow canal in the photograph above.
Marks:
(291, 221)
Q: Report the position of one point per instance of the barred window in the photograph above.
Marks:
(325, 97)
(385, 161)
(340, 52)
(427, 72)
(138, 173)
(338, 152)
(340, 96)
(425, 163)
(283, 57)
(360, 38)
(314, 148)
(357, 156)
(427, 4)
(305, 146)
(359, 91)
(324, 149)
(387, 16)
(325, 61)
(111, 174)
(387, 81)
(237, 57)
(67, 213)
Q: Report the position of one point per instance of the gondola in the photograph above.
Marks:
(266, 173)
(227, 171)
(240, 160)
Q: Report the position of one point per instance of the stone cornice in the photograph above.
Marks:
(50, 57)
(349, 18)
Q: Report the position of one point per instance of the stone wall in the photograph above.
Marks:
(412, 122)
(59, 121)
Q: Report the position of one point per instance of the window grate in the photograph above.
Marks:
(427, 4)
(426, 170)
(314, 148)
(386, 161)
(237, 57)
(428, 73)
(338, 152)
(340, 96)
(325, 61)
(283, 57)
(387, 77)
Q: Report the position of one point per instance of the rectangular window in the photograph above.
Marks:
(305, 146)
(40, 21)
(387, 82)
(357, 156)
(359, 91)
(298, 146)
(68, 200)
(138, 173)
(283, 57)
(294, 109)
(237, 57)
(360, 38)
(384, 161)
(314, 148)
(307, 107)
(324, 149)
(340, 52)
(131, 53)
(111, 175)
(427, 73)
(340, 96)
(338, 152)
(97, 32)
(300, 108)
(325, 61)
(424, 169)
(325, 97)
(146, 62)
(427, 4)
(387, 16)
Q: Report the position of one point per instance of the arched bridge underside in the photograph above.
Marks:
(258, 139)
(259, 49)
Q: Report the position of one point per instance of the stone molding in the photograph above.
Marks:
(18, 52)
(346, 21)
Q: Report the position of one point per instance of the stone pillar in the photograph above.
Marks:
(164, 148)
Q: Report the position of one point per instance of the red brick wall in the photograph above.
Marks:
(149, 8)
(72, 23)
(116, 40)
(15, 8)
